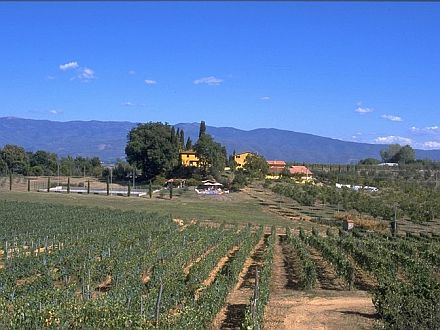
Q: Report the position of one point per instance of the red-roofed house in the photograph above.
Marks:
(297, 170)
(276, 167)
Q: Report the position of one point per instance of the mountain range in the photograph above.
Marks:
(107, 140)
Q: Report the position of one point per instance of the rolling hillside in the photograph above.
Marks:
(107, 141)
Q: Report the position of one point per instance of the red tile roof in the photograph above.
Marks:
(300, 170)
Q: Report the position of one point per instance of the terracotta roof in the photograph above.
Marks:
(300, 170)
(276, 163)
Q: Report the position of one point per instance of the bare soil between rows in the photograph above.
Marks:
(329, 306)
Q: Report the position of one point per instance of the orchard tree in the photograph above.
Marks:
(153, 148)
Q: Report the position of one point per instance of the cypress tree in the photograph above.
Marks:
(173, 135)
(182, 138)
(188, 145)
(202, 130)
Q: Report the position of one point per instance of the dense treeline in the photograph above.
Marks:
(15, 160)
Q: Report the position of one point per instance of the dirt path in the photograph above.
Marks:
(232, 315)
(327, 307)
(327, 278)
(354, 311)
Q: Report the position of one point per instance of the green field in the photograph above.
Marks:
(232, 208)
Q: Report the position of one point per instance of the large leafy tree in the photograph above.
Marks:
(406, 155)
(15, 158)
(389, 154)
(398, 154)
(151, 148)
(256, 166)
(45, 160)
(212, 155)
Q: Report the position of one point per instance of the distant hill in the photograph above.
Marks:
(107, 141)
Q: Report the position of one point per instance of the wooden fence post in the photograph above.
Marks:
(88, 187)
(159, 297)
(48, 184)
(68, 185)
(29, 185)
(150, 190)
(10, 181)
(128, 189)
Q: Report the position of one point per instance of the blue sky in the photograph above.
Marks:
(367, 72)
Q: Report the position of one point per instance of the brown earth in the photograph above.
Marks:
(330, 306)
(232, 315)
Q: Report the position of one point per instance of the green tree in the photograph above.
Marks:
(188, 145)
(122, 170)
(150, 148)
(181, 139)
(3, 166)
(202, 130)
(256, 166)
(389, 154)
(45, 160)
(369, 161)
(212, 155)
(15, 158)
(406, 155)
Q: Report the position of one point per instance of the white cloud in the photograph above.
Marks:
(132, 72)
(211, 81)
(50, 77)
(392, 139)
(150, 82)
(131, 104)
(55, 112)
(69, 66)
(426, 130)
(265, 98)
(392, 118)
(86, 74)
(431, 145)
(362, 110)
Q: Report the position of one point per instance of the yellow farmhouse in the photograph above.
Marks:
(189, 158)
(240, 159)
